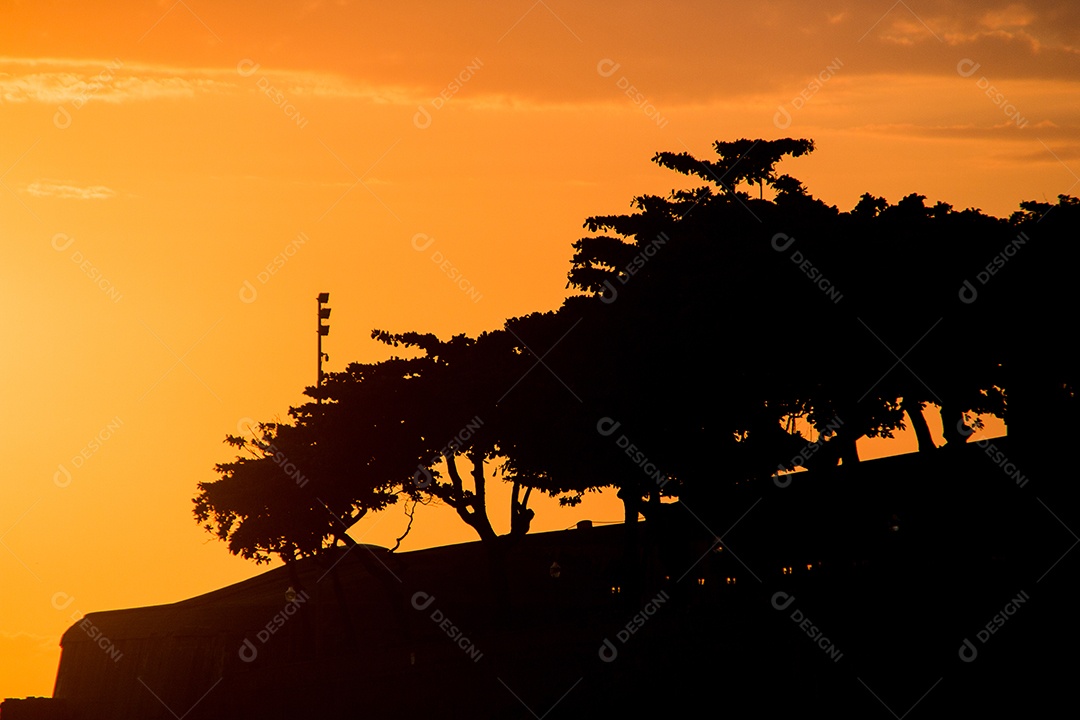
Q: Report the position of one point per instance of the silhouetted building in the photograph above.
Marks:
(776, 596)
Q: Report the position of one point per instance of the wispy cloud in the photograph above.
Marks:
(61, 88)
(57, 81)
(66, 191)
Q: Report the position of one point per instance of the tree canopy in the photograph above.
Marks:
(698, 327)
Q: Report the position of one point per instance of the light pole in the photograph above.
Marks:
(324, 314)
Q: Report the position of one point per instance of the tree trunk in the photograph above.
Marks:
(849, 451)
(474, 510)
(520, 514)
(953, 428)
(841, 448)
(914, 410)
(483, 524)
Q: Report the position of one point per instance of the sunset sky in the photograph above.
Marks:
(180, 179)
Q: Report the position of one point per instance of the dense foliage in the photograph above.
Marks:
(699, 327)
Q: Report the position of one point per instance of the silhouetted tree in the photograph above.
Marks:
(700, 325)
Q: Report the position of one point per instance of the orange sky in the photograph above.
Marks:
(179, 179)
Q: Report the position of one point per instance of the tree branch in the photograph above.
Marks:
(410, 512)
